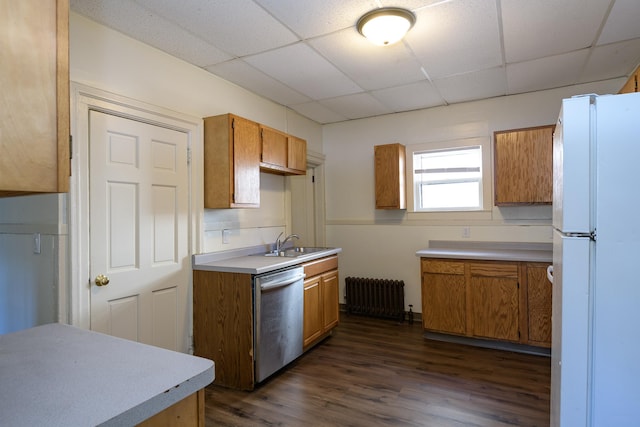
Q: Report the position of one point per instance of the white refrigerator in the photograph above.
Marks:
(595, 353)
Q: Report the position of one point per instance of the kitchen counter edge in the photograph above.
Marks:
(489, 251)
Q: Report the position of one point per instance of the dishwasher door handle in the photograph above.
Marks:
(280, 284)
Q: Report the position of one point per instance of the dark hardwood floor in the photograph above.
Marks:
(375, 372)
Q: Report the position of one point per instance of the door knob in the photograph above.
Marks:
(102, 280)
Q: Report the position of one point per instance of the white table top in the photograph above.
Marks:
(60, 375)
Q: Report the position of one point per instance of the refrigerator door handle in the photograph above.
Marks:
(550, 273)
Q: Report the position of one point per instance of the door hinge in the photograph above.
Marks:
(313, 179)
(70, 147)
(188, 156)
(518, 283)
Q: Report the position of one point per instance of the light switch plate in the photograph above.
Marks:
(225, 236)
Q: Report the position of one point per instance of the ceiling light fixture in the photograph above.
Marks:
(386, 25)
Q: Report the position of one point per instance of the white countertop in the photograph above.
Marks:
(251, 262)
(60, 375)
(499, 251)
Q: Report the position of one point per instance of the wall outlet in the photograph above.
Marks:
(466, 232)
(225, 236)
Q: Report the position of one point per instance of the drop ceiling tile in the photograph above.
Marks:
(456, 37)
(409, 97)
(135, 21)
(612, 61)
(305, 71)
(623, 22)
(356, 106)
(244, 75)
(535, 29)
(473, 86)
(546, 73)
(370, 66)
(238, 27)
(318, 112)
(313, 18)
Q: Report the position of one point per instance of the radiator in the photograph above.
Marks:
(375, 297)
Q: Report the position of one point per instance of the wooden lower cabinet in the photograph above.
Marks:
(506, 301)
(223, 325)
(494, 301)
(539, 291)
(223, 318)
(188, 412)
(444, 296)
(321, 294)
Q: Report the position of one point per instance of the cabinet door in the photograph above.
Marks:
(444, 296)
(274, 149)
(390, 176)
(312, 327)
(494, 300)
(297, 155)
(539, 292)
(632, 84)
(246, 163)
(34, 119)
(330, 295)
(523, 166)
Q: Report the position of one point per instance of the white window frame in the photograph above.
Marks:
(486, 182)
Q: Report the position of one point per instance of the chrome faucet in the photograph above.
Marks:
(280, 244)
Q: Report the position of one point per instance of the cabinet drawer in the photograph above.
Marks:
(494, 270)
(442, 267)
(321, 265)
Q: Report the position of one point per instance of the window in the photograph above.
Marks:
(449, 176)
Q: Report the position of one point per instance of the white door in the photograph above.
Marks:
(303, 208)
(139, 212)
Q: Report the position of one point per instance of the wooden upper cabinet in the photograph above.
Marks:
(281, 153)
(274, 149)
(34, 118)
(632, 84)
(523, 173)
(390, 188)
(297, 155)
(231, 162)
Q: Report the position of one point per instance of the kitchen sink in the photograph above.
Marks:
(305, 249)
(295, 252)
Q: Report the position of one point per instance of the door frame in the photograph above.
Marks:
(315, 163)
(84, 99)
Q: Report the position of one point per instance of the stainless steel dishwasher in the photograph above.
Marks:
(279, 300)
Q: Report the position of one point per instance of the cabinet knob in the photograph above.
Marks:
(102, 280)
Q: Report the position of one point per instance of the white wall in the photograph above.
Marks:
(382, 244)
(29, 282)
(108, 60)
